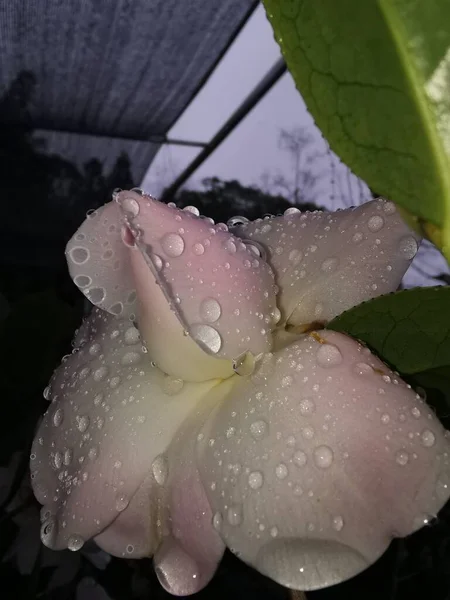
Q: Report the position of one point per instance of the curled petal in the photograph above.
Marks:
(326, 263)
(318, 460)
(99, 264)
(112, 413)
(221, 291)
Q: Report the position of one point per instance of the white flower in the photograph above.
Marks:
(226, 416)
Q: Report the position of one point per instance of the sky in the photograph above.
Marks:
(252, 153)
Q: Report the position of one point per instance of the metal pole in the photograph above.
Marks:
(247, 105)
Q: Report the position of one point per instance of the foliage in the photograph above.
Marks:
(376, 77)
(222, 199)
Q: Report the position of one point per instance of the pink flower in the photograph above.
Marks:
(205, 407)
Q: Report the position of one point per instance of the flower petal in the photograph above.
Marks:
(112, 413)
(326, 263)
(318, 460)
(222, 292)
(99, 264)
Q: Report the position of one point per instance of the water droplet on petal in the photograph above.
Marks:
(198, 249)
(258, 429)
(255, 480)
(48, 532)
(75, 543)
(295, 256)
(281, 471)
(307, 406)
(299, 458)
(338, 523)
(207, 337)
(291, 211)
(217, 521)
(235, 221)
(402, 457)
(234, 514)
(363, 369)
(408, 247)
(172, 385)
(428, 438)
(358, 237)
(122, 501)
(329, 265)
(210, 310)
(323, 457)
(287, 381)
(244, 364)
(329, 355)
(130, 206)
(82, 423)
(375, 223)
(160, 469)
(132, 336)
(172, 244)
(193, 210)
(58, 417)
(385, 418)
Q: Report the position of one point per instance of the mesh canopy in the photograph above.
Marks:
(124, 70)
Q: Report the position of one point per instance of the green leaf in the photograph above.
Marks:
(409, 329)
(375, 75)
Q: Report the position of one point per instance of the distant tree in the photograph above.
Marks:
(305, 168)
(224, 199)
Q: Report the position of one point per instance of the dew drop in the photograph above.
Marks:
(95, 349)
(329, 265)
(295, 256)
(244, 364)
(193, 210)
(48, 532)
(408, 247)
(234, 514)
(323, 457)
(210, 310)
(172, 244)
(58, 417)
(122, 501)
(130, 206)
(68, 456)
(385, 418)
(358, 237)
(207, 337)
(258, 429)
(255, 480)
(75, 543)
(402, 457)
(132, 336)
(281, 471)
(307, 406)
(338, 523)
(375, 223)
(329, 355)
(287, 381)
(415, 412)
(130, 358)
(363, 369)
(172, 386)
(198, 249)
(46, 393)
(57, 460)
(291, 211)
(100, 373)
(428, 438)
(217, 521)
(235, 221)
(82, 423)
(96, 294)
(299, 458)
(79, 255)
(160, 469)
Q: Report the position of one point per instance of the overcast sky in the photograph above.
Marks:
(251, 154)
